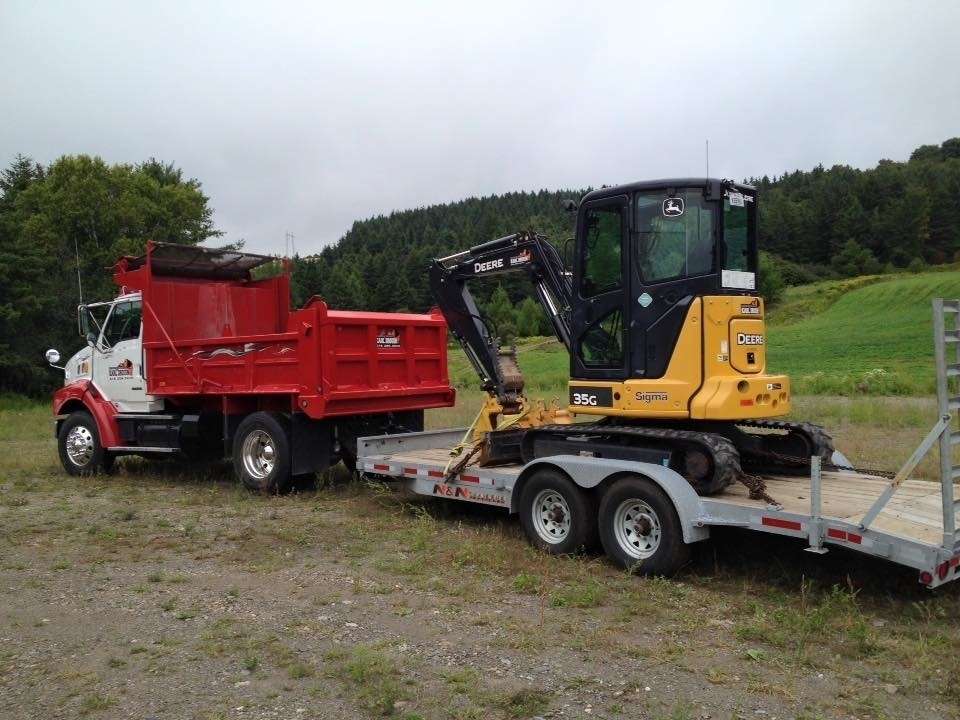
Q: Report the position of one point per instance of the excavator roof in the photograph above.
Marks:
(664, 183)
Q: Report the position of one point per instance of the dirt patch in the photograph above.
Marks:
(163, 593)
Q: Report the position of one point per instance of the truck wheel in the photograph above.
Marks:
(78, 443)
(555, 514)
(261, 453)
(640, 529)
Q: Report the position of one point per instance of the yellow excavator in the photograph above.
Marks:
(660, 313)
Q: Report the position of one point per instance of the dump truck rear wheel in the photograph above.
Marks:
(261, 453)
(556, 515)
(640, 529)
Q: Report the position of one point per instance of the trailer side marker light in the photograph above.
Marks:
(409, 471)
(384, 468)
(845, 536)
(785, 524)
(435, 473)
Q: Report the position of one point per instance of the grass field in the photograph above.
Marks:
(870, 336)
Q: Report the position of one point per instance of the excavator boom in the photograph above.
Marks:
(525, 252)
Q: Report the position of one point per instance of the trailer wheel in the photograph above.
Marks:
(555, 514)
(640, 529)
(78, 443)
(261, 453)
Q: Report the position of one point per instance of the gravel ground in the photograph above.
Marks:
(137, 596)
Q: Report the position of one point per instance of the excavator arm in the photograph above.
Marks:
(521, 252)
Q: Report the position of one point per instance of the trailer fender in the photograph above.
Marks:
(84, 393)
(595, 473)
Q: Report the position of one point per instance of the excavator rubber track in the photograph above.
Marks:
(776, 447)
(710, 462)
(767, 447)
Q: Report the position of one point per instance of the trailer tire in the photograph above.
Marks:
(640, 529)
(261, 453)
(79, 446)
(556, 515)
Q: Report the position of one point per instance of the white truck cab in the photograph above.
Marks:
(113, 357)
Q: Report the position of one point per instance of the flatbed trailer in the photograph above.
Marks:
(645, 516)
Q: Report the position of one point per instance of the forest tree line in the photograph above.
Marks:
(62, 226)
(814, 225)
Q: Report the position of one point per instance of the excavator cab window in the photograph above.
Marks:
(675, 235)
(602, 264)
(737, 232)
(602, 343)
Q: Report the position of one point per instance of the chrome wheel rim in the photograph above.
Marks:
(80, 445)
(259, 455)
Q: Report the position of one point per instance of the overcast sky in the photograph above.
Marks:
(301, 117)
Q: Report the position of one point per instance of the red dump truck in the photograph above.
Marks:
(198, 357)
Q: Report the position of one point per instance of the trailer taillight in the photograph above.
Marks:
(942, 570)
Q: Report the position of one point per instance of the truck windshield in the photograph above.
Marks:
(111, 322)
(123, 323)
(91, 319)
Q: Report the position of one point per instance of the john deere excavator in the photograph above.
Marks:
(659, 310)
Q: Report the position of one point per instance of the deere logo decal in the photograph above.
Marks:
(673, 207)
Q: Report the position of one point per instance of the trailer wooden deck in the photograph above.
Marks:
(914, 511)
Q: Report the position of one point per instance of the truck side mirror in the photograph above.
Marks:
(53, 357)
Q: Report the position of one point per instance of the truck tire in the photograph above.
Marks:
(78, 443)
(556, 515)
(261, 453)
(640, 529)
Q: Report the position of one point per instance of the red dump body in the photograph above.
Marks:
(212, 335)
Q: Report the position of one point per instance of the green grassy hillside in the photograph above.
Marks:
(868, 336)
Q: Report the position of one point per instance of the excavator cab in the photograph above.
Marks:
(665, 319)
